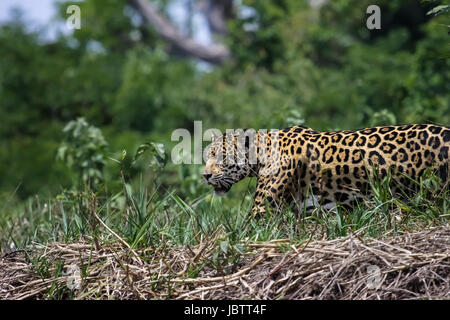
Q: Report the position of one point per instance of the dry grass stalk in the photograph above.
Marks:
(413, 266)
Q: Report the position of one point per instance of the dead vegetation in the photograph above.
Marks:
(411, 266)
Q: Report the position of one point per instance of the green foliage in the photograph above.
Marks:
(83, 150)
(153, 88)
(291, 64)
(383, 117)
(157, 152)
(437, 10)
(262, 42)
(155, 218)
(110, 24)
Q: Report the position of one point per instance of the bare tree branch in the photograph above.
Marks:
(216, 53)
(217, 13)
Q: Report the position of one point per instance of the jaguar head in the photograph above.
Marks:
(227, 162)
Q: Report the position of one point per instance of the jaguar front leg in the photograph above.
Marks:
(261, 196)
(270, 190)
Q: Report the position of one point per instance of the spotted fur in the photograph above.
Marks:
(308, 168)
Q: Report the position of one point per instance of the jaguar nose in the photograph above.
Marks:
(207, 176)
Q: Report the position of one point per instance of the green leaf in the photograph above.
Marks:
(239, 248)
(224, 246)
(439, 9)
(156, 150)
(124, 154)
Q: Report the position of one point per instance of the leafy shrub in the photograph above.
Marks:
(84, 151)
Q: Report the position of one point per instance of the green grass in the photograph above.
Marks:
(160, 218)
(153, 218)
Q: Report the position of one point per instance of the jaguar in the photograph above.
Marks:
(305, 168)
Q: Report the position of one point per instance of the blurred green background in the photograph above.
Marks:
(289, 62)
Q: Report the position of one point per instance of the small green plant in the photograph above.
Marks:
(383, 116)
(83, 150)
